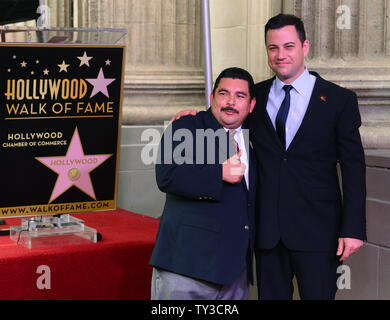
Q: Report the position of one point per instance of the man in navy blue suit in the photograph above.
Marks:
(302, 128)
(205, 242)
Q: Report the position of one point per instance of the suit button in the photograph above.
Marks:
(246, 227)
(285, 159)
(249, 204)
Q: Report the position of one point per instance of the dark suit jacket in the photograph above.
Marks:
(300, 200)
(207, 226)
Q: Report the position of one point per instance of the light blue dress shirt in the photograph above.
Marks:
(300, 98)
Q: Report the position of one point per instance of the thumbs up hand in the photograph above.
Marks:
(233, 170)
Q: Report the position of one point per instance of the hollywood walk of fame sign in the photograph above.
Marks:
(59, 133)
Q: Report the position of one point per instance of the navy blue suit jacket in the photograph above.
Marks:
(300, 198)
(207, 226)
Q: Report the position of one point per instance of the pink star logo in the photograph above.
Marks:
(74, 168)
(100, 84)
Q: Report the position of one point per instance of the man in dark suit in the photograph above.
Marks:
(205, 242)
(303, 127)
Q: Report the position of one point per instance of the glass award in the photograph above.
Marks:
(47, 231)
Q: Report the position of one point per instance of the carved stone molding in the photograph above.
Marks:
(350, 45)
(164, 55)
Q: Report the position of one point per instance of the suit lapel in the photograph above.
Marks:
(262, 100)
(247, 146)
(315, 101)
(252, 176)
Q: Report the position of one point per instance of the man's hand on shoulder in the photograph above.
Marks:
(183, 113)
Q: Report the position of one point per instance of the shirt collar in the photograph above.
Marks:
(300, 84)
(238, 130)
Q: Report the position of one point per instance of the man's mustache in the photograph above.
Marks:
(229, 109)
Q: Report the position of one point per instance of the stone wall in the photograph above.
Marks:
(350, 45)
(164, 57)
(137, 189)
(370, 267)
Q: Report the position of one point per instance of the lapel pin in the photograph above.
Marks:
(323, 98)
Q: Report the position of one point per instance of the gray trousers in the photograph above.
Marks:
(172, 286)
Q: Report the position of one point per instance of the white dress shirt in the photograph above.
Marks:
(300, 98)
(239, 136)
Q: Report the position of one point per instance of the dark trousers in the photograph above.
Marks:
(316, 273)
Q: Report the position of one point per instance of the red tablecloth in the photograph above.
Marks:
(114, 268)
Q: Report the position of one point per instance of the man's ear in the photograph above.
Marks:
(306, 47)
(253, 103)
(211, 98)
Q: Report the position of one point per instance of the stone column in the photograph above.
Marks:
(60, 13)
(350, 45)
(164, 55)
(237, 35)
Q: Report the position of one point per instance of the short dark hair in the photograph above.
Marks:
(237, 73)
(283, 20)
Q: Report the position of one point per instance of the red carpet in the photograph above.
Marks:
(114, 268)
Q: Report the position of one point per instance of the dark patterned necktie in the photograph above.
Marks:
(281, 117)
(232, 136)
